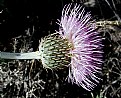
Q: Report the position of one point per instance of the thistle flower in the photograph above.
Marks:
(78, 28)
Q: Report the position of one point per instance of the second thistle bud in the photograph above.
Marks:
(54, 51)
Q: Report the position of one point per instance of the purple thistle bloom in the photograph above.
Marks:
(79, 29)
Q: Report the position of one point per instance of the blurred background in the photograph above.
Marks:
(25, 22)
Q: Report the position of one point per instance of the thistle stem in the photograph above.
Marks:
(29, 55)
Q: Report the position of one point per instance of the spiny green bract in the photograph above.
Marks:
(54, 51)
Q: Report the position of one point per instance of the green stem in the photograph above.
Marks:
(29, 55)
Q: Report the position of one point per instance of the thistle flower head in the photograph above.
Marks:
(78, 28)
(76, 45)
